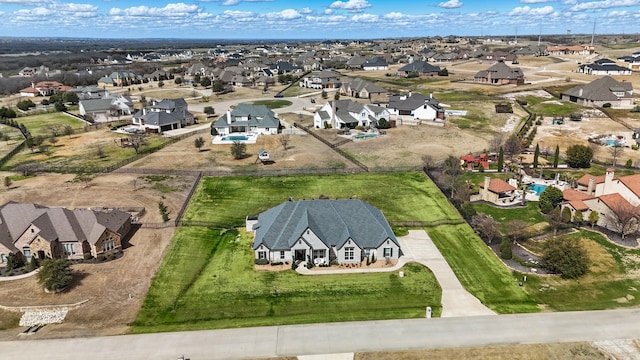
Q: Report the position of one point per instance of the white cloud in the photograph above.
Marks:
(230, 2)
(306, 11)
(22, 2)
(287, 14)
(328, 11)
(170, 10)
(535, 1)
(451, 4)
(528, 11)
(365, 18)
(351, 5)
(394, 15)
(605, 4)
(617, 14)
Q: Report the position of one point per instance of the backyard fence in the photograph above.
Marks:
(334, 147)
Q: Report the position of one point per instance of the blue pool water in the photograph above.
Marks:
(363, 136)
(613, 143)
(235, 138)
(537, 188)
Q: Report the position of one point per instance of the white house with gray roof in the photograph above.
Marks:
(164, 115)
(343, 114)
(418, 106)
(324, 230)
(247, 118)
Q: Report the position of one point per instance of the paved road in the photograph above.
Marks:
(346, 337)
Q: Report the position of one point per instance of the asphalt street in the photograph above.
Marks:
(292, 340)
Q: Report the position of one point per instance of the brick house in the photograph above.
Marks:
(30, 230)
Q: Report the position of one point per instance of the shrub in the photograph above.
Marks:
(335, 262)
(33, 264)
(505, 249)
(606, 105)
(276, 263)
(111, 256)
(294, 265)
(101, 257)
(261, 262)
(88, 256)
(14, 261)
(628, 164)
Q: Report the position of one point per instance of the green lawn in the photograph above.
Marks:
(409, 196)
(565, 109)
(603, 288)
(207, 281)
(37, 124)
(530, 214)
(272, 104)
(480, 271)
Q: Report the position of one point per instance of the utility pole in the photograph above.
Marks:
(593, 32)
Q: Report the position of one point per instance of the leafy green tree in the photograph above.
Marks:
(324, 94)
(217, 86)
(579, 156)
(556, 157)
(209, 110)
(593, 218)
(549, 199)
(566, 215)
(7, 182)
(628, 164)
(59, 106)
(500, 159)
(578, 218)
(70, 97)
(205, 81)
(238, 150)
(467, 210)
(336, 96)
(199, 142)
(565, 256)
(383, 124)
(177, 80)
(164, 211)
(55, 275)
(536, 155)
(443, 72)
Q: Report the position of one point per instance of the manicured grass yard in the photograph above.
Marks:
(207, 278)
(207, 281)
(272, 104)
(225, 202)
(608, 284)
(37, 124)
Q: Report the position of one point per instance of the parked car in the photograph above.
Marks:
(278, 95)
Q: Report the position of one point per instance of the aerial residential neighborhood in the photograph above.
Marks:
(231, 187)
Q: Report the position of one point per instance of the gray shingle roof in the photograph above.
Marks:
(334, 221)
(420, 66)
(500, 70)
(260, 116)
(600, 89)
(413, 102)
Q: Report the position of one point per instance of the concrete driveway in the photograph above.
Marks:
(456, 301)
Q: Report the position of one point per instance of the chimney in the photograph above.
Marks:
(430, 95)
(228, 117)
(591, 187)
(608, 182)
(580, 92)
(485, 191)
(333, 112)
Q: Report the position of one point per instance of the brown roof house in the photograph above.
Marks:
(602, 91)
(496, 191)
(31, 230)
(500, 74)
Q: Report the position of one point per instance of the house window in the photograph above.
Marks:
(262, 254)
(281, 254)
(108, 244)
(68, 249)
(3, 258)
(318, 254)
(32, 230)
(27, 253)
(349, 253)
(388, 252)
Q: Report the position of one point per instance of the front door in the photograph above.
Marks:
(301, 255)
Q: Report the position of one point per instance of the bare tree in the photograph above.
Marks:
(451, 172)
(428, 162)
(137, 141)
(623, 218)
(284, 141)
(515, 229)
(615, 151)
(496, 142)
(487, 226)
(512, 146)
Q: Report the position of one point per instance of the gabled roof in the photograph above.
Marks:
(632, 182)
(401, 102)
(579, 205)
(571, 195)
(96, 105)
(584, 180)
(359, 84)
(258, 115)
(333, 221)
(498, 186)
(375, 61)
(500, 70)
(420, 66)
(618, 204)
(600, 89)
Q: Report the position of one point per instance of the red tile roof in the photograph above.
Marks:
(498, 186)
(579, 205)
(571, 195)
(617, 204)
(632, 182)
(584, 180)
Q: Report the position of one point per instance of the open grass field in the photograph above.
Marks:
(217, 287)
(612, 282)
(38, 124)
(272, 104)
(530, 214)
(480, 271)
(225, 202)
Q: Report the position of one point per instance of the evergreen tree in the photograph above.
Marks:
(556, 157)
(500, 159)
(593, 218)
(536, 154)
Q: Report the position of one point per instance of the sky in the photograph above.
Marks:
(313, 19)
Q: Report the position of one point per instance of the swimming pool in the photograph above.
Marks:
(611, 142)
(235, 138)
(364, 136)
(538, 188)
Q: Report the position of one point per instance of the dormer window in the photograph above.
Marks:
(32, 230)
